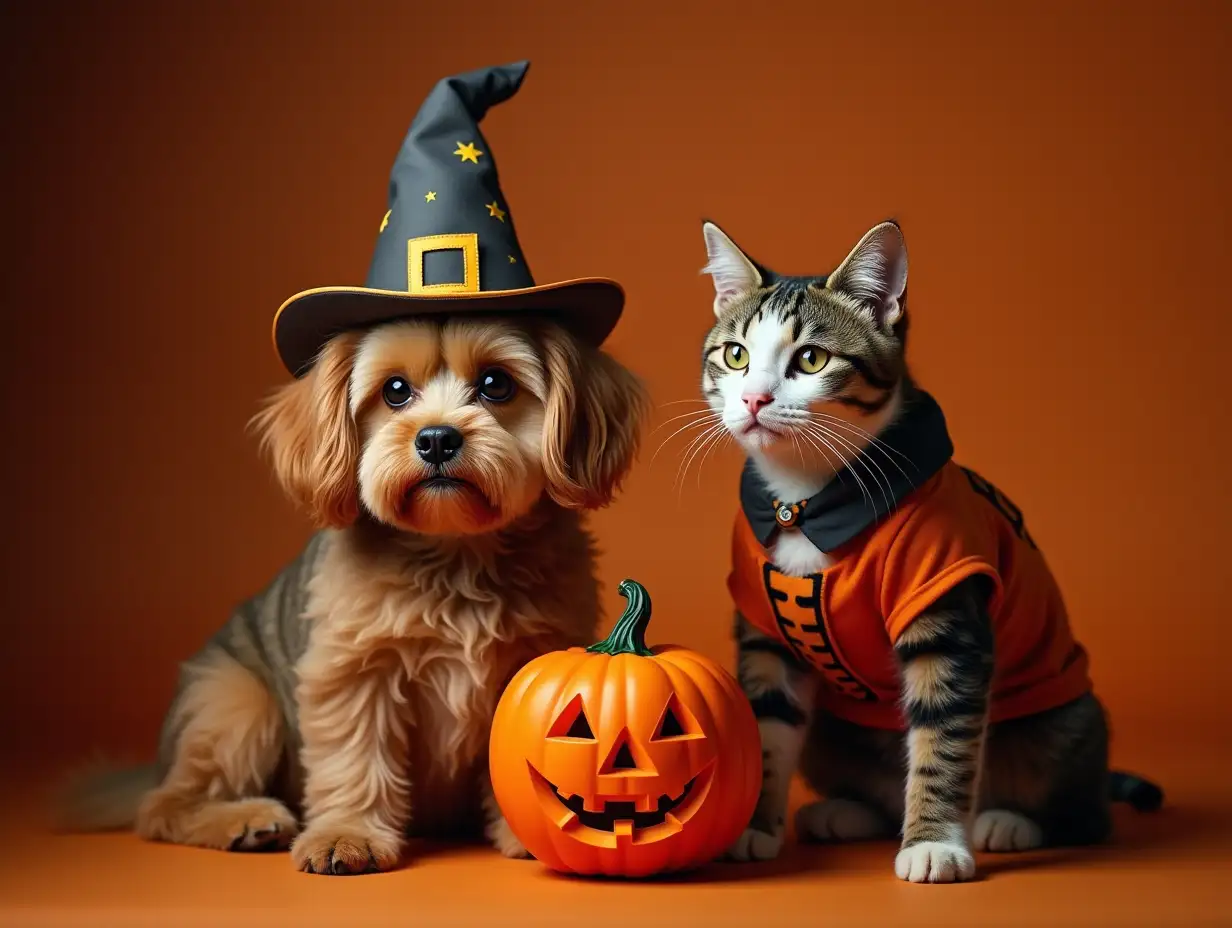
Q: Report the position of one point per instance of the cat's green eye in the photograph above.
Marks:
(810, 359)
(735, 356)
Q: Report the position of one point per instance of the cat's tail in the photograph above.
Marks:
(1139, 792)
(102, 799)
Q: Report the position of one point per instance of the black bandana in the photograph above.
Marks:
(910, 451)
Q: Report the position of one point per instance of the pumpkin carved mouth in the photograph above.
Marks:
(623, 811)
(620, 820)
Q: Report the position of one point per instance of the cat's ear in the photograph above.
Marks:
(730, 268)
(875, 273)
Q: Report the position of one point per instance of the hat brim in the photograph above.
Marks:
(588, 307)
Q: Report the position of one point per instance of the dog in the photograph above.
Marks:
(448, 462)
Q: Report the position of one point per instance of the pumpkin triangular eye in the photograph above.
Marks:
(580, 728)
(670, 727)
(572, 722)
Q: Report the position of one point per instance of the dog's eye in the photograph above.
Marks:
(396, 392)
(496, 386)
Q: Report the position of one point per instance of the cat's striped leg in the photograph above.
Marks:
(781, 692)
(946, 658)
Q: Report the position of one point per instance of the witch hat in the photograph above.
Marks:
(447, 243)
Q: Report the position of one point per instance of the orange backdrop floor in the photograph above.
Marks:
(1173, 867)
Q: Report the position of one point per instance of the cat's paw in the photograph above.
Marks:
(840, 820)
(755, 844)
(1000, 830)
(935, 862)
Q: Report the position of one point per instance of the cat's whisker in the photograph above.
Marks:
(698, 413)
(883, 447)
(707, 450)
(708, 421)
(796, 443)
(684, 454)
(800, 426)
(845, 465)
(684, 472)
(691, 450)
(874, 441)
(858, 456)
(835, 469)
(868, 497)
(862, 453)
(880, 478)
(678, 402)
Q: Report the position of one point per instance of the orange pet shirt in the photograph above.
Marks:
(845, 620)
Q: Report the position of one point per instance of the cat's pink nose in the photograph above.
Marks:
(753, 402)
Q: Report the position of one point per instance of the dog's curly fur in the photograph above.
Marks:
(348, 704)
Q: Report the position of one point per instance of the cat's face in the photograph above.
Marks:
(803, 371)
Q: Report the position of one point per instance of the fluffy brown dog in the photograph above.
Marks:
(447, 462)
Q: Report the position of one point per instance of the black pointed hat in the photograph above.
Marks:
(447, 243)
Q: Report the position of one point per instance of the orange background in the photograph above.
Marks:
(175, 171)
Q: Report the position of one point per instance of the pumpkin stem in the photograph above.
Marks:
(629, 635)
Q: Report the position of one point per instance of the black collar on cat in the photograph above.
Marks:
(910, 451)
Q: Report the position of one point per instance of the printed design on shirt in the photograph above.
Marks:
(1001, 503)
(799, 612)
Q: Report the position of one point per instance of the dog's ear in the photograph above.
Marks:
(307, 431)
(592, 428)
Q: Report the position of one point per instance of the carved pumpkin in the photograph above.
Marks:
(624, 760)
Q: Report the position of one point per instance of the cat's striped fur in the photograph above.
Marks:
(952, 783)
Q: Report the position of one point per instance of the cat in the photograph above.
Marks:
(900, 636)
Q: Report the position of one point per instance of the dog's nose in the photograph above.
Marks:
(438, 443)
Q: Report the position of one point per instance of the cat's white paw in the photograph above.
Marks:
(757, 845)
(840, 820)
(1001, 830)
(934, 862)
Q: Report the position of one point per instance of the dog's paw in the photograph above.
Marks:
(268, 825)
(935, 862)
(258, 824)
(755, 844)
(999, 830)
(504, 840)
(340, 851)
(840, 820)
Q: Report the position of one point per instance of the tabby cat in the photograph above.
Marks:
(900, 636)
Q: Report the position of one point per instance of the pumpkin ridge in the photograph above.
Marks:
(567, 682)
(533, 673)
(729, 686)
(682, 683)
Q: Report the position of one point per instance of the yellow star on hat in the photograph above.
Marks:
(468, 152)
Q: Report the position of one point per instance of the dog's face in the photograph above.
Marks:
(453, 427)
(450, 423)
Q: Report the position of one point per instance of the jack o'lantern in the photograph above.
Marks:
(625, 760)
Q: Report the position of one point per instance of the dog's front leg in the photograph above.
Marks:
(496, 828)
(355, 747)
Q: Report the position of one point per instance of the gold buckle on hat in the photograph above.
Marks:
(466, 242)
